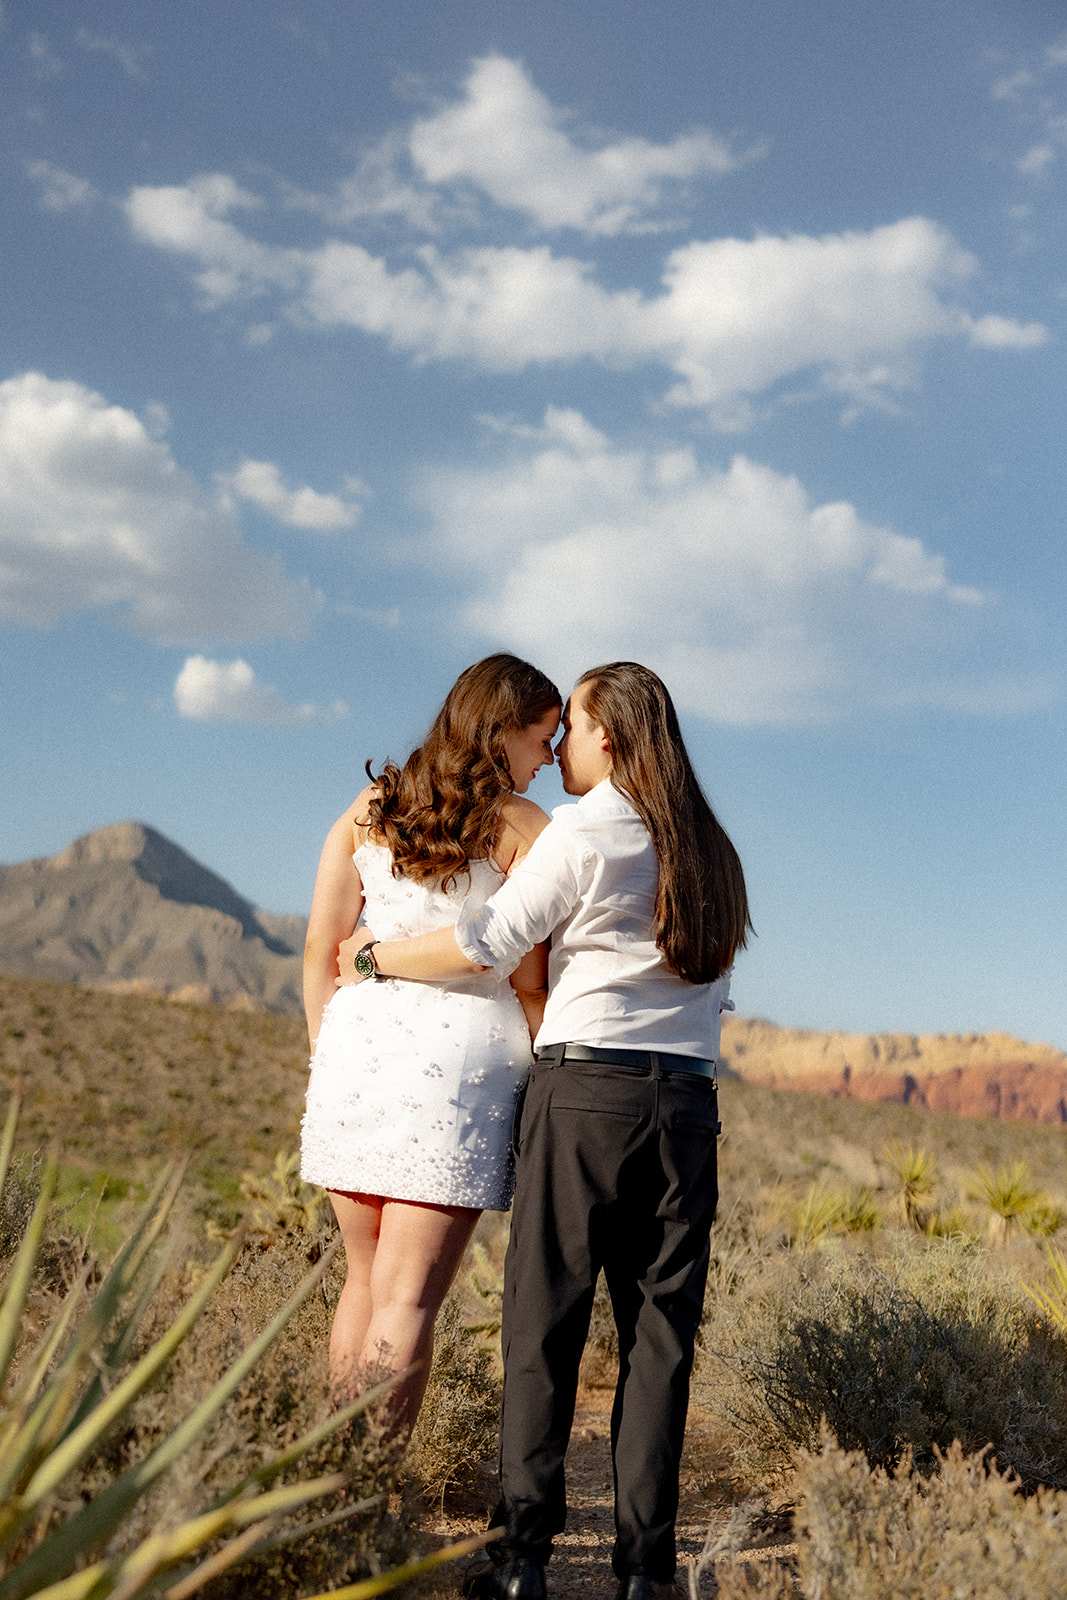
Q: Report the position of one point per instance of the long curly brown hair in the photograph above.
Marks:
(441, 810)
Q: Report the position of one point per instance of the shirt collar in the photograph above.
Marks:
(605, 797)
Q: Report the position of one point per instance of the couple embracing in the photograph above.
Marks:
(607, 935)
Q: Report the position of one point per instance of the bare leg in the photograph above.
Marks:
(401, 1258)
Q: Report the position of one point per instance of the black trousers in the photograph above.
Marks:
(616, 1169)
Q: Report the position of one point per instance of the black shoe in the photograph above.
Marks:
(639, 1587)
(479, 1579)
(520, 1579)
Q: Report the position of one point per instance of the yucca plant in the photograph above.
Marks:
(915, 1172)
(1009, 1193)
(833, 1210)
(60, 1401)
(1053, 1301)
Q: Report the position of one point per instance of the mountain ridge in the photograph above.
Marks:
(126, 907)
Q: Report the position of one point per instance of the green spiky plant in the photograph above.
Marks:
(1010, 1195)
(60, 1401)
(915, 1173)
(1053, 1301)
(827, 1210)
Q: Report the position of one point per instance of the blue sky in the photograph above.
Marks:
(342, 344)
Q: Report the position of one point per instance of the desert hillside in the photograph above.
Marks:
(973, 1075)
(127, 910)
(125, 907)
(124, 1081)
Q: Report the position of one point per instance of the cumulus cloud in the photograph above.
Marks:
(97, 514)
(757, 606)
(853, 307)
(849, 312)
(229, 691)
(732, 319)
(261, 483)
(61, 190)
(507, 140)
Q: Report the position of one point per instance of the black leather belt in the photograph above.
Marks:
(654, 1061)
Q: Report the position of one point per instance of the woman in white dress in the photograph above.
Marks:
(413, 1086)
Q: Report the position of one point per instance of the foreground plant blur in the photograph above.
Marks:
(124, 1471)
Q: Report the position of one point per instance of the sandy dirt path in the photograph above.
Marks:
(581, 1559)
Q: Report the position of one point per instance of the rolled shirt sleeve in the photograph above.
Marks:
(540, 894)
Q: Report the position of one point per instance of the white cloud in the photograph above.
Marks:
(847, 312)
(191, 219)
(853, 307)
(1036, 162)
(261, 483)
(61, 190)
(756, 605)
(229, 691)
(506, 139)
(1004, 333)
(1036, 97)
(97, 514)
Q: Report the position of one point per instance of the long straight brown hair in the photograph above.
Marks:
(441, 810)
(702, 914)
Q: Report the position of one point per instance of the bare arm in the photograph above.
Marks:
(530, 983)
(431, 957)
(335, 909)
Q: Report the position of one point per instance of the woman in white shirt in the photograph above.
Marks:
(644, 898)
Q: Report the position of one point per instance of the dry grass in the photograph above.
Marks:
(966, 1533)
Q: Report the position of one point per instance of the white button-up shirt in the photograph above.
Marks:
(590, 880)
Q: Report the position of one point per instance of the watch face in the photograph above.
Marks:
(364, 963)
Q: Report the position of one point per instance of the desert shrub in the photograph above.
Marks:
(18, 1197)
(898, 1355)
(964, 1533)
(456, 1433)
(485, 1286)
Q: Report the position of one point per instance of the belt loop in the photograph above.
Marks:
(552, 1055)
(653, 1061)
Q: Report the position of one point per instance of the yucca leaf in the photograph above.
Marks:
(367, 1588)
(217, 1562)
(125, 1576)
(76, 1384)
(7, 1142)
(119, 1279)
(47, 1467)
(16, 1288)
(97, 1520)
(82, 1439)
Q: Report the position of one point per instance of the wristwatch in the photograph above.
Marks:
(363, 962)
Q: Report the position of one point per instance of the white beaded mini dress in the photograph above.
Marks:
(413, 1085)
